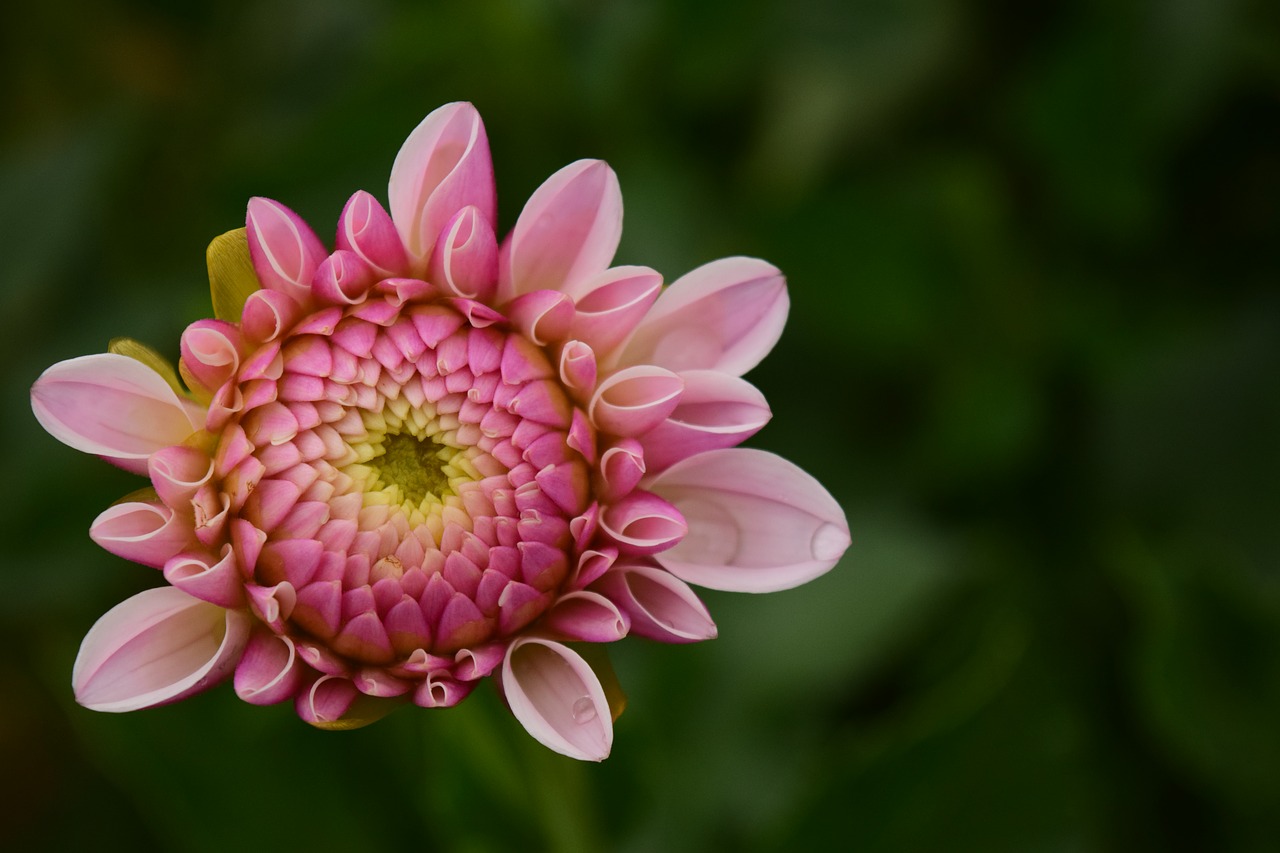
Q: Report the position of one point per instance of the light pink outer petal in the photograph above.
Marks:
(111, 406)
(146, 532)
(557, 697)
(567, 232)
(716, 410)
(661, 606)
(757, 523)
(442, 167)
(159, 646)
(725, 315)
(284, 250)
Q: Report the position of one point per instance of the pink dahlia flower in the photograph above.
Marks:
(427, 457)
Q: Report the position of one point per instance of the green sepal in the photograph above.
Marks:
(231, 275)
(139, 351)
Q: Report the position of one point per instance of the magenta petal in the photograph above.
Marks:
(142, 531)
(567, 232)
(716, 410)
(587, 616)
(284, 249)
(635, 399)
(270, 670)
(159, 646)
(757, 523)
(557, 698)
(366, 229)
(465, 260)
(661, 606)
(211, 352)
(111, 406)
(725, 315)
(442, 167)
(343, 278)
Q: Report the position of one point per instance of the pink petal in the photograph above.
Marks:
(442, 167)
(284, 249)
(757, 523)
(465, 260)
(542, 316)
(716, 410)
(270, 670)
(159, 646)
(333, 702)
(643, 523)
(567, 232)
(207, 578)
(342, 279)
(587, 616)
(661, 606)
(211, 352)
(177, 472)
(111, 406)
(725, 315)
(366, 229)
(611, 304)
(145, 532)
(635, 400)
(557, 698)
(268, 314)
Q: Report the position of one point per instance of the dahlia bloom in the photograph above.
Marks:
(427, 457)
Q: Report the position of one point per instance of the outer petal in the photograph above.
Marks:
(270, 670)
(159, 646)
(146, 532)
(112, 406)
(716, 410)
(285, 251)
(661, 606)
(442, 167)
(366, 229)
(610, 304)
(557, 697)
(725, 315)
(567, 232)
(757, 523)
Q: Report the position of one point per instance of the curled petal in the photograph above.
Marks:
(111, 406)
(578, 368)
(333, 703)
(557, 697)
(442, 167)
(142, 531)
(611, 304)
(635, 399)
(343, 278)
(621, 468)
(716, 410)
(465, 260)
(542, 316)
(661, 606)
(270, 670)
(442, 691)
(587, 616)
(757, 523)
(177, 472)
(366, 230)
(643, 523)
(567, 232)
(725, 315)
(268, 314)
(200, 575)
(159, 646)
(285, 251)
(211, 352)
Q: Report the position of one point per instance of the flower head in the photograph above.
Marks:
(428, 457)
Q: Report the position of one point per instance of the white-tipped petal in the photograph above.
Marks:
(557, 697)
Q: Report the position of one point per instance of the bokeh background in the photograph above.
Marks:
(1034, 347)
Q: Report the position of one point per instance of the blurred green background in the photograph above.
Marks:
(1033, 255)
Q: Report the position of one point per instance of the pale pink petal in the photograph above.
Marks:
(542, 316)
(159, 646)
(611, 304)
(567, 232)
(725, 315)
(757, 523)
(211, 352)
(284, 249)
(145, 532)
(270, 670)
(177, 472)
(208, 578)
(716, 410)
(465, 260)
(661, 606)
(366, 229)
(643, 523)
(442, 167)
(635, 399)
(557, 697)
(111, 406)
